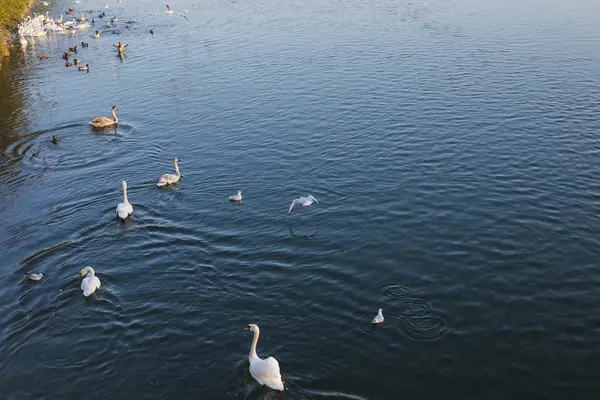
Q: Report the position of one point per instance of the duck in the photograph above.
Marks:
(97, 34)
(168, 179)
(152, 31)
(73, 49)
(76, 61)
(168, 11)
(124, 209)
(43, 57)
(86, 67)
(68, 53)
(83, 44)
(68, 63)
(90, 282)
(265, 371)
(54, 140)
(236, 197)
(120, 47)
(104, 121)
(378, 318)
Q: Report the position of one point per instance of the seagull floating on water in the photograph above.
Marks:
(34, 276)
(90, 281)
(305, 201)
(378, 318)
(236, 197)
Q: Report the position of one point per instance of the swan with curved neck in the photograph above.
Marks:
(124, 209)
(90, 281)
(168, 179)
(265, 371)
(101, 122)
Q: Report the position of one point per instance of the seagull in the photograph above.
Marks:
(106, 5)
(236, 197)
(34, 276)
(183, 10)
(378, 318)
(169, 11)
(305, 201)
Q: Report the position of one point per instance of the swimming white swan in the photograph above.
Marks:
(90, 282)
(236, 197)
(266, 372)
(168, 179)
(305, 201)
(378, 318)
(34, 275)
(124, 209)
(22, 40)
(101, 122)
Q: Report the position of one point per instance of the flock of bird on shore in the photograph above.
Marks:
(265, 371)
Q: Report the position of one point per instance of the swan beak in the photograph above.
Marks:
(247, 328)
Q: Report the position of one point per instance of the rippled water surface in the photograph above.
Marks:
(452, 146)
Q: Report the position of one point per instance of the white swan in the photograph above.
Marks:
(266, 372)
(22, 40)
(124, 209)
(168, 179)
(90, 282)
(236, 197)
(378, 318)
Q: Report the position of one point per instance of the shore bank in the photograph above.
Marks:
(12, 12)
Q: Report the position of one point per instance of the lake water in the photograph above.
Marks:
(452, 146)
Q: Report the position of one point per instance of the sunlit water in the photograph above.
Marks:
(452, 146)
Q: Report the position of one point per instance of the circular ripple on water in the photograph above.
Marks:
(412, 307)
(78, 147)
(393, 291)
(427, 328)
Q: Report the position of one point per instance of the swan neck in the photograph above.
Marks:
(125, 194)
(114, 114)
(254, 342)
(177, 169)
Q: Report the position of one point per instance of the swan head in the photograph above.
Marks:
(124, 184)
(251, 328)
(379, 311)
(87, 271)
(115, 108)
(175, 160)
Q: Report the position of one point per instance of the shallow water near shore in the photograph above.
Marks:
(452, 149)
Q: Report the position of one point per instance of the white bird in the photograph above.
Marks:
(169, 11)
(378, 318)
(183, 10)
(34, 276)
(90, 282)
(45, 3)
(168, 179)
(236, 197)
(305, 201)
(124, 209)
(106, 5)
(265, 371)
(22, 40)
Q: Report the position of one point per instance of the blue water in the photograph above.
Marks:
(452, 148)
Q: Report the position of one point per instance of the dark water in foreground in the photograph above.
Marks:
(452, 146)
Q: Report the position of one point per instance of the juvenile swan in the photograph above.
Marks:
(124, 209)
(105, 121)
(266, 372)
(168, 179)
(90, 282)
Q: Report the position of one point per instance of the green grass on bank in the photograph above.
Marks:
(11, 12)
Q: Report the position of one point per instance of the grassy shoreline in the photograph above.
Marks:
(12, 12)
